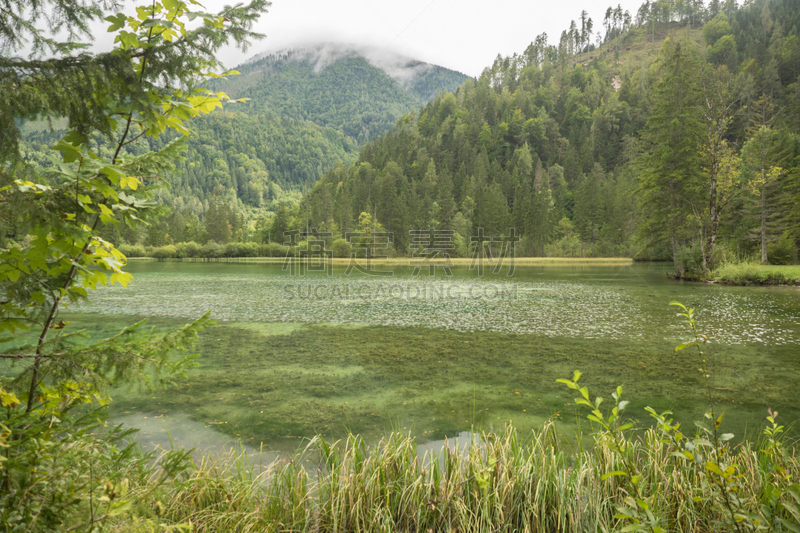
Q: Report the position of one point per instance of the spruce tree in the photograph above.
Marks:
(670, 179)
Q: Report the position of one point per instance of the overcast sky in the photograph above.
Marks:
(464, 35)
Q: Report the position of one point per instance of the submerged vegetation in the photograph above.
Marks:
(505, 481)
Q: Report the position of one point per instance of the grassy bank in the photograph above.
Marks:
(502, 482)
(509, 481)
(757, 274)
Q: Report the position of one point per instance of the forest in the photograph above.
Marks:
(666, 134)
(674, 137)
(673, 134)
(296, 121)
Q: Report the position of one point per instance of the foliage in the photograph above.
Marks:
(754, 273)
(718, 479)
(148, 86)
(538, 137)
(504, 481)
(62, 470)
(298, 123)
(783, 251)
(641, 159)
(65, 470)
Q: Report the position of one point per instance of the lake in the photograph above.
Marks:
(441, 355)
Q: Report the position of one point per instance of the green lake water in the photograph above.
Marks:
(437, 356)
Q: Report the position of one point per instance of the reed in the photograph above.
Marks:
(503, 482)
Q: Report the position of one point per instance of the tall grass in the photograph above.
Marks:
(502, 482)
(751, 273)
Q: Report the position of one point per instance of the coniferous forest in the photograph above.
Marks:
(674, 137)
(669, 134)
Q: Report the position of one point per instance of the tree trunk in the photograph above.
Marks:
(763, 219)
(714, 216)
(676, 264)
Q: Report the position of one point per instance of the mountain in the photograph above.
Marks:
(682, 122)
(356, 89)
(307, 109)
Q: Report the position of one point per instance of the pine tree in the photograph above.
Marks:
(670, 168)
(763, 158)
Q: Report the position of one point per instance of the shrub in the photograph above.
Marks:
(341, 248)
(211, 249)
(135, 250)
(164, 252)
(272, 249)
(188, 249)
(248, 249)
(241, 249)
(64, 471)
(783, 251)
(690, 259)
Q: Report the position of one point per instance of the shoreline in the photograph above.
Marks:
(342, 261)
(750, 275)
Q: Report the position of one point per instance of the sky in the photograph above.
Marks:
(464, 35)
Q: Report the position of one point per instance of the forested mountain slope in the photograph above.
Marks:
(680, 125)
(306, 110)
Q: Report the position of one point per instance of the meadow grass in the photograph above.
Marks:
(757, 274)
(502, 482)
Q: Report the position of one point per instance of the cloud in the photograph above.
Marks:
(399, 67)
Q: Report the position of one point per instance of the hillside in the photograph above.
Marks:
(341, 86)
(308, 109)
(607, 150)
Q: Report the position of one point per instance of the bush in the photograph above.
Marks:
(233, 249)
(135, 250)
(65, 471)
(188, 249)
(272, 249)
(164, 252)
(241, 249)
(341, 248)
(211, 249)
(782, 252)
(690, 260)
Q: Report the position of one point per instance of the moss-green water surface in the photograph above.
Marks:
(294, 357)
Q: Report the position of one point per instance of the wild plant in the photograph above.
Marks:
(714, 476)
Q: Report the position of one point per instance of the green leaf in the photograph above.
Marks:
(121, 507)
(117, 21)
(712, 467)
(567, 382)
(614, 473)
